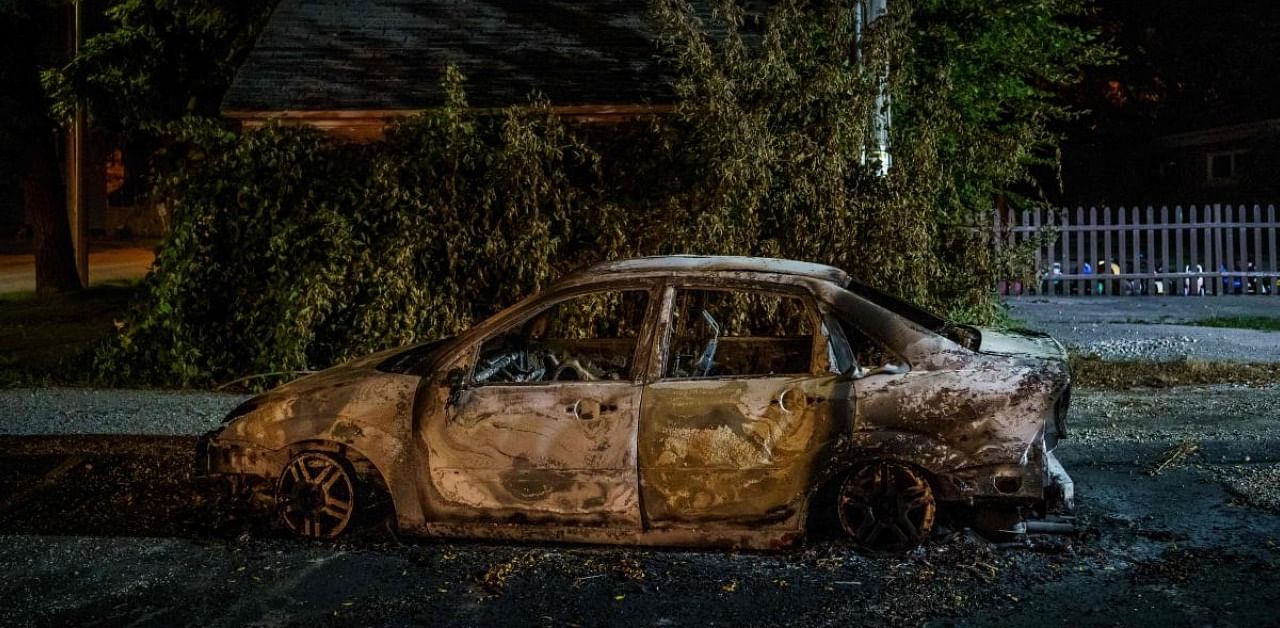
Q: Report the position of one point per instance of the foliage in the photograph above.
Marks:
(1261, 323)
(992, 71)
(774, 121)
(290, 249)
(157, 61)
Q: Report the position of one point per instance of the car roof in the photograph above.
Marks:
(694, 264)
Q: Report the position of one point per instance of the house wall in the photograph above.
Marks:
(1185, 171)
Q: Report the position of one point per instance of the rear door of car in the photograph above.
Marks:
(739, 407)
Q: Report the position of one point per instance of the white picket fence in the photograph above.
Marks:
(1193, 250)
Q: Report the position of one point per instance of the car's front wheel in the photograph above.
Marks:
(317, 495)
(886, 506)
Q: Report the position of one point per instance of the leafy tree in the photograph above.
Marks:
(774, 122)
(155, 62)
(291, 249)
(995, 71)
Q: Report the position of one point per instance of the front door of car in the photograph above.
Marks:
(540, 426)
(744, 405)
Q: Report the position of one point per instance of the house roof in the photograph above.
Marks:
(1235, 133)
(379, 55)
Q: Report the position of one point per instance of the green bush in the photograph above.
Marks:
(291, 250)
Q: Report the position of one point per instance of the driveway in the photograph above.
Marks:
(1153, 328)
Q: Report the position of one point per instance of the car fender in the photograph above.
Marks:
(918, 450)
(385, 452)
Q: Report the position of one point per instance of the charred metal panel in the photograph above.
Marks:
(353, 405)
(736, 451)
(563, 450)
(947, 421)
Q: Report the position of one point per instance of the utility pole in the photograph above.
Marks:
(86, 184)
(77, 205)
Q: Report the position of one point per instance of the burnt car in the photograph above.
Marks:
(682, 400)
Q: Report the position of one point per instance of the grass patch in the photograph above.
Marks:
(1262, 323)
(1094, 372)
(50, 340)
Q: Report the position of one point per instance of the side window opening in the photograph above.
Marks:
(588, 337)
(867, 352)
(718, 333)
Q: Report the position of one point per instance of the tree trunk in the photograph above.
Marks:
(46, 201)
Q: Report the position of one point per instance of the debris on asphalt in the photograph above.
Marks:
(1174, 456)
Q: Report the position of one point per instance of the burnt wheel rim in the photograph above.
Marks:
(316, 496)
(886, 506)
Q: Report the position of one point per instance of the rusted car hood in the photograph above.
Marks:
(336, 403)
(351, 373)
(1021, 344)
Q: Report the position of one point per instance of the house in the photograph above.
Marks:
(1211, 161)
(352, 66)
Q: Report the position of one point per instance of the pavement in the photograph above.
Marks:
(106, 265)
(1152, 328)
(112, 530)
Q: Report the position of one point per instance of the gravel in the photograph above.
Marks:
(1236, 431)
(1258, 485)
(26, 411)
(1226, 412)
(1153, 328)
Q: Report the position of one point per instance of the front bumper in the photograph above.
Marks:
(240, 471)
(217, 457)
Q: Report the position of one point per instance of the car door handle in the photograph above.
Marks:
(588, 410)
(793, 399)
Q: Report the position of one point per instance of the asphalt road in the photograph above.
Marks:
(110, 530)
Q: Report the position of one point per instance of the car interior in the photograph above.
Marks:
(727, 333)
(584, 338)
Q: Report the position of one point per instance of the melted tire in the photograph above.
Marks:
(886, 507)
(318, 496)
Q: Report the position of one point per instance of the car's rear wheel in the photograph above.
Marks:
(317, 495)
(886, 506)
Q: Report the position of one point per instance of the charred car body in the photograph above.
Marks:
(672, 400)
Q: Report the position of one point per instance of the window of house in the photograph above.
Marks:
(1226, 165)
(726, 333)
(584, 338)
